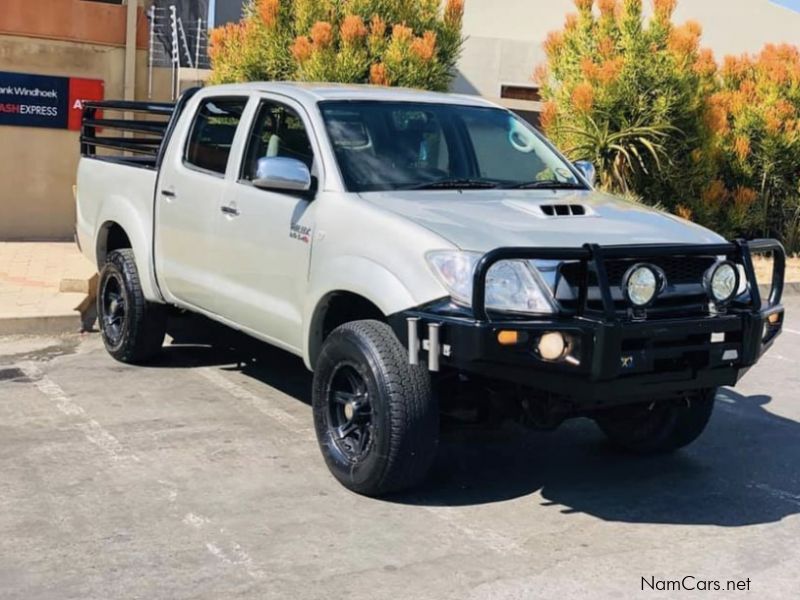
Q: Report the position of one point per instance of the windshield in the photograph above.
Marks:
(405, 145)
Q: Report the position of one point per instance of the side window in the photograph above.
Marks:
(277, 131)
(210, 140)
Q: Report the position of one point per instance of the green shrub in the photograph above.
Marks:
(628, 94)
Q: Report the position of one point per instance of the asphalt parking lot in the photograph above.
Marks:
(199, 477)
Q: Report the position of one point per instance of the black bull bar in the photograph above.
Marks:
(620, 357)
(593, 256)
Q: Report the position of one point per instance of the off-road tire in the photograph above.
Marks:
(402, 435)
(658, 427)
(144, 324)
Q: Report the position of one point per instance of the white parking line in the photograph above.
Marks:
(91, 429)
(777, 493)
(263, 405)
(235, 556)
(463, 520)
(794, 331)
(783, 358)
(224, 549)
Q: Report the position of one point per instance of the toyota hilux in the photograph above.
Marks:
(410, 246)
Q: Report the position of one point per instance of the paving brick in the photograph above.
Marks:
(30, 280)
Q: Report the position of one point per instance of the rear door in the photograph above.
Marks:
(268, 234)
(192, 186)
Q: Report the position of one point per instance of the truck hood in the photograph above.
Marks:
(482, 220)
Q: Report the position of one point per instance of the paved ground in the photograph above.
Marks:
(195, 478)
(31, 276)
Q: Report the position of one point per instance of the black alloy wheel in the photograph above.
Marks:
(132, 328)
(113, 309)
(375, 416)
(350, 420)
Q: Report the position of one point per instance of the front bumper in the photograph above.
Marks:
(612, 359)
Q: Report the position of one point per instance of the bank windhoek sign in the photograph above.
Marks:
(45, 101)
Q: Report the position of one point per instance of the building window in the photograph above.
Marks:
(520, 92)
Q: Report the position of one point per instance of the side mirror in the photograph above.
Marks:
(587, 170)
(282, 174)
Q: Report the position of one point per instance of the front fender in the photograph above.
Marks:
(357, 275)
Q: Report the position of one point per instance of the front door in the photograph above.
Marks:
(192, 185)
(268, 234)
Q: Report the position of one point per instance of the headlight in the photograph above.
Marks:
(641, 284)
(511, 285)
(722, 282)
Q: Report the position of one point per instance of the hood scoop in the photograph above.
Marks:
(564, 210)
(546, 211)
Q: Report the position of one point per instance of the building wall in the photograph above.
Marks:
(37, 166)
(69, 20)
(504, 37)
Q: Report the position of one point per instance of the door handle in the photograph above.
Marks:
(231, 211)
(168, 193)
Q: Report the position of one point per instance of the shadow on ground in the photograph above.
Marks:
(742, 471)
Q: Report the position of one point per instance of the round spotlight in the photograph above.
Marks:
(722, 282)
(552, 346)
(640, 285)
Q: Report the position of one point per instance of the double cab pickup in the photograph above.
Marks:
(418, 251)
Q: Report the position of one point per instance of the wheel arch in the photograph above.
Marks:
(334, 309)
(110, 236)
(123, 226)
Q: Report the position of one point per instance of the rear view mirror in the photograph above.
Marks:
(282, 174)
(588, 171)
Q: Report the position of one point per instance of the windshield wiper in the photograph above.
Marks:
(454, 184)
(545, 184)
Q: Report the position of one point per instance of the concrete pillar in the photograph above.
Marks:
(129, 87)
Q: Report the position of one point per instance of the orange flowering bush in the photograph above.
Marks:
(628, 94)
(754, 119)
(656, 114)
(413, 43)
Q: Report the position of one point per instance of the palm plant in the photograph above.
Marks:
(618, 150)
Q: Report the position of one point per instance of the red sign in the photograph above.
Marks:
(80, 90)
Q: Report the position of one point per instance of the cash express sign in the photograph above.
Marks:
(45, 101)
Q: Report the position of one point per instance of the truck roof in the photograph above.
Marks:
(316, 92)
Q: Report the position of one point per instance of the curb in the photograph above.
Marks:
(41, 325)
(78, 321)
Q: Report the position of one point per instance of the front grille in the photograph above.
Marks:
(684, 295)
(678, 269)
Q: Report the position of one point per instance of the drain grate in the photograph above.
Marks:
(12, 374)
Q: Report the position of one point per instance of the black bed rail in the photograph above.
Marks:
(592, 257)
(146, 124)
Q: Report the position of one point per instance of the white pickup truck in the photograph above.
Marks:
(406, 245)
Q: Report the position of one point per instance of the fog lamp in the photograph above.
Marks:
(640, 284)
(552, 346)
(722, 282)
